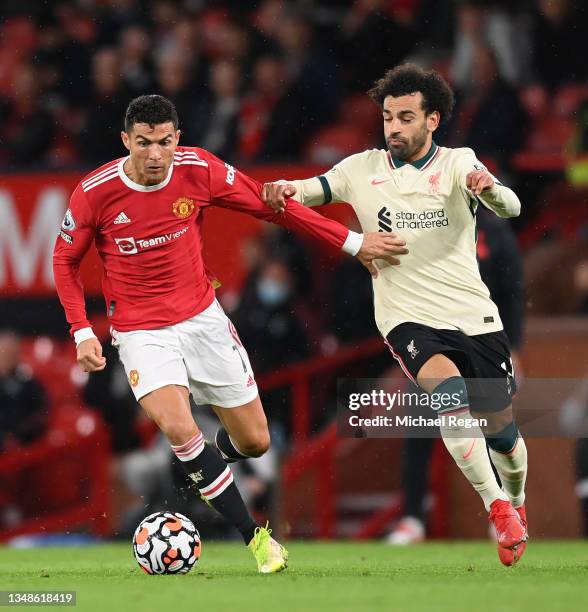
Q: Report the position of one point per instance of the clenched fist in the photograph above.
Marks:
(479, 180)
(275, 194)
(90, 356)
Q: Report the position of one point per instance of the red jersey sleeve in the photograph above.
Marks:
(75, 237)
(232, 189)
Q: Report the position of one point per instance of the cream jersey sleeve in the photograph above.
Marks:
(500, 199)
(332, 186)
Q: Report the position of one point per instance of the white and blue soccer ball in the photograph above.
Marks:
(166, 543)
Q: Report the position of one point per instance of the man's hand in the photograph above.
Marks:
(275, 194)
(90, 355)
(379, 245)
(479, 180)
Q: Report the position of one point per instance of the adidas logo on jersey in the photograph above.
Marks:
(250, 381)
(122, 218)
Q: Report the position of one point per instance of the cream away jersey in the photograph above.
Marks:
(427, 203)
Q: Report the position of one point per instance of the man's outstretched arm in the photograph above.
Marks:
(237, 191)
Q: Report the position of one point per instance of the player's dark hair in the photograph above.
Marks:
(406, 79)
(150, 109)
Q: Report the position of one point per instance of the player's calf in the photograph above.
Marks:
(214, 481)
(244, 433)
(255, 445)
(466, 443)
(231, 451)
(509, 455)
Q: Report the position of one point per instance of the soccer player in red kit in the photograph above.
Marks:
(144, 213)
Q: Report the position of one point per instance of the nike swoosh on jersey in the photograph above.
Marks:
(379, 181)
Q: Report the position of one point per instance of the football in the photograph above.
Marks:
(166, 543)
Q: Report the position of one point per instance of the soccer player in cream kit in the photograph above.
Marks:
(144, 213)
(433, 309)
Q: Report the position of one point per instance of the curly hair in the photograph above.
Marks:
(409, 78)
(150, 109)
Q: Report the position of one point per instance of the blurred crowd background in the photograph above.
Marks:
(283, 82)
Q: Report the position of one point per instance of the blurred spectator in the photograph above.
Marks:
(558, 42)
(23, 413)
(26, 126)
(164, 16)
(266, 318)
(135, 65)
(100, 138)
(372, 42)
(500, 28)
(108, 392)
(233, 41)
(174, 72)
(268, 17)
(269, 324)
(115, 16)
(488, 116)
(222, 114)
(312, 71)
(273, 121)
(63, 63)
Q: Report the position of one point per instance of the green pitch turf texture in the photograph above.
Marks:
(322, 576)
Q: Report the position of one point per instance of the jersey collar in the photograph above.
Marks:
(129, 183)
(419, 164)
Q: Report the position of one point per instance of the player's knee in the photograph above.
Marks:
(175, 430)
(496, 422)
(257, 445)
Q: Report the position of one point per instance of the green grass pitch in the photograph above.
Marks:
(322, 576)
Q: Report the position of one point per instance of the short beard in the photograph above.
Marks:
(406, 151)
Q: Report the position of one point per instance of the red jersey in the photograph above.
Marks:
(149, 238)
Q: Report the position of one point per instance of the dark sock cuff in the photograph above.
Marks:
(504, 441)
(228, 451)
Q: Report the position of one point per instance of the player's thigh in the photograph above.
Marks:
(247, 426)
(169, 407)
(428, 356)
(435, 370)
(158, 378)
(151, 358)
(493, 385)
(217, 363)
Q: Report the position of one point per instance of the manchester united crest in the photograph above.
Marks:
(183, 207)
(134, 378)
